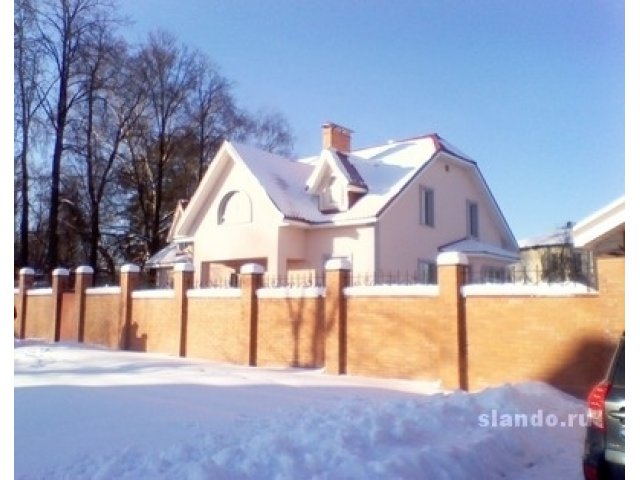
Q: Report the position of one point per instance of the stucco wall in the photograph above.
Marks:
(356, 243)
(257, 238)
(404, 240)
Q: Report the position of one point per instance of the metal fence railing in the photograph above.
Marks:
(520, 274)
(294, 279)
(391, 278)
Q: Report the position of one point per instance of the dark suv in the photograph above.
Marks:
(604, 444)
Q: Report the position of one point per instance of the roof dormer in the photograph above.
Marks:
(336, 182)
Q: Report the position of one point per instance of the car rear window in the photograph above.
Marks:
(618, 367)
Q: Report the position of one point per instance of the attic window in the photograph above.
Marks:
(332, 195)
(235, 207)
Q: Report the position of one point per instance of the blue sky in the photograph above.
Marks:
(532, 90)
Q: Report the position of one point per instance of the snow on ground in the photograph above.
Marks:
(91, 413)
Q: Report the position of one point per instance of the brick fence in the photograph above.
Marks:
(467, 336)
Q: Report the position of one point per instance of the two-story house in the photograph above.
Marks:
(388, 208)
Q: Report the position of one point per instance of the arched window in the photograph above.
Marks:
(235, 207)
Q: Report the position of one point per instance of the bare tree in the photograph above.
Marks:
(65, 27)
(166, 73)
(28, 79)
(271, 132)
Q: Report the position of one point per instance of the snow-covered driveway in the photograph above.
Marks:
(90, 413)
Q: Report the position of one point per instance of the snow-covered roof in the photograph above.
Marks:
(168, 257)
(474, 247)
(560, 236)
(382, 171)
(604, 222)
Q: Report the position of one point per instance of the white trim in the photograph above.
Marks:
(337, 264)
(129, 268)
(40, 291)
(160, 293)
(103, 290)
(527, 290)
(599, 223)
(452, 258)
(251, 268)
(291, 292)
(214, 293)
(393, 291)
(183, 267)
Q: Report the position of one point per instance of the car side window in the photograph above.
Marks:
(618, 368)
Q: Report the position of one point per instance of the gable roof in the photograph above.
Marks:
(383, 170)
(597, 227)
(474, 247)
(558, 237)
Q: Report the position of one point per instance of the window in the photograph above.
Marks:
(235, 207)
(472, 219)
(427, 207)
(492, 274)
(331, 198)
(427, 272)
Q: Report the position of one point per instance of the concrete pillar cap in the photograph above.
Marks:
(452, 258)
(183, 267)
(27, 271)
(129, 268)
(337, 264)
(60, 272)
(251, 268)
(84, 269)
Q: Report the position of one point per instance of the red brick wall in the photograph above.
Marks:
(155, 327)
(291, 332)
(473, 341)
(102, 325)
(566, 341)
(40, 317)
(397, 337)
(68, 320)
(216, 331)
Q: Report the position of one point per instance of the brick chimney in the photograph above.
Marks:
(335, 136)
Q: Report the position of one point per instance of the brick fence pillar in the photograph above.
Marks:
(25, 283)
(335, 315)
(250, 281)
(129, 279)
(84, 280)
(453, 352)
(182, 281)
(59, 279)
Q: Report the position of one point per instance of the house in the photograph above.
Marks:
(553, 257)
(388, 208)
(602, 232)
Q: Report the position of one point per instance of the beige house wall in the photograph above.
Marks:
(256, 237)
(404, 240)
